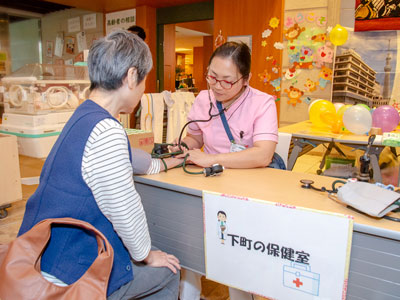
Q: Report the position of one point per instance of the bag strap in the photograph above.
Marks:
(39, 235)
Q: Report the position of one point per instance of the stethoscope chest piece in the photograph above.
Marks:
(306, 183)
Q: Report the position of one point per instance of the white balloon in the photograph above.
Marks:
(357, 119)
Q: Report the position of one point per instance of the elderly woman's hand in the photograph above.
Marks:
(158, 259)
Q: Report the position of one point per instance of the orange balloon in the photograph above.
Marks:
(333, 120)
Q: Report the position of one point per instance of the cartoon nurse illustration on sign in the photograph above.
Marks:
(221, 216)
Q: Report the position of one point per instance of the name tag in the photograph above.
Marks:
(237, 147)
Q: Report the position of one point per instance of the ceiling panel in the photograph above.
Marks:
(114, 5)
(35, 6)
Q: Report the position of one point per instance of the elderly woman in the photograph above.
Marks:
(88, 176)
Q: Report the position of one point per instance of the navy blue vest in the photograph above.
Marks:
(62, 192)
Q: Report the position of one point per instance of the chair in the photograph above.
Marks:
(282, 148)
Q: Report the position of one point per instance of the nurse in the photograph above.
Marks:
(239, 129)
(244, 132)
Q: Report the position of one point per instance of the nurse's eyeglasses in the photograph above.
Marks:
(223, 83)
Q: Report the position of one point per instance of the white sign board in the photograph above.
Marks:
(81, 38)
(74, 24)
(275, 250)
(89, 21)
(120, 20)
(58, 49)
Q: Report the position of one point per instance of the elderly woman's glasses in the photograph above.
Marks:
(223, 83)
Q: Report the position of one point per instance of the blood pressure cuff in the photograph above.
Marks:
(141, 161)
(368, 198)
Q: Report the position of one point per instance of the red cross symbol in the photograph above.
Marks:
(297, 282)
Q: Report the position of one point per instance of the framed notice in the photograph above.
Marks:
(276, 250)
(69, 44)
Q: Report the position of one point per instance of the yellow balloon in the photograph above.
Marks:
(338, 35)
(321, 107)
(312, 103)
(340, 113)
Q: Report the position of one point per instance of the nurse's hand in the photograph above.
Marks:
(200, 158)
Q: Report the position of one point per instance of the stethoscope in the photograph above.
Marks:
(209, 114)
(308, 184)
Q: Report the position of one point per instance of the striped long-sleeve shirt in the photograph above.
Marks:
(107, 171)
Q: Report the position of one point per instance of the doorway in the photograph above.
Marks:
(186, 18)
(194, 47)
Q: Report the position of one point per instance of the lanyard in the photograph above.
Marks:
(225, 122)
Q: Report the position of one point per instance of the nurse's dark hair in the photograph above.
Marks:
(238, 52)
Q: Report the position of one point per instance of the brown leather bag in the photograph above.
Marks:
(20, 276)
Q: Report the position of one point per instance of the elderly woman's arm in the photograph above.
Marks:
(107, 171)
(142, 163)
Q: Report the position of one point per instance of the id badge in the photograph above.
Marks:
(237, 147)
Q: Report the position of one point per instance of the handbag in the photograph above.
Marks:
(20, 275)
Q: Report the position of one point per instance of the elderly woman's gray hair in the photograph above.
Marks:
(111, 57)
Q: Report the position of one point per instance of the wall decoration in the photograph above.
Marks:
(311, 85)
(74, 24)
(325, 76)
(279, 45)
(274, 22)
(324, 55)
(291, 75)
(293, 32)
(266, 33)
(265, 77)
(308, 51)
(49, 48)
(247, 39)
(377, 15)
(294, 95)
(120, 20)
(276, 84)
(219, 40)
(301, 17)
(69, 44)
